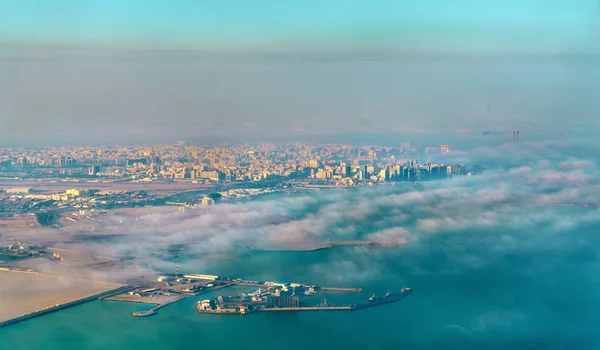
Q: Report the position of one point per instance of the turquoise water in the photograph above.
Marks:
(467, 295)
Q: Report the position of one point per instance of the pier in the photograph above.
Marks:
(341, 307)
(310, 308)
(154, 310)
(337, 289)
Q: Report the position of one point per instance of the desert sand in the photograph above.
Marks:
(23, 293)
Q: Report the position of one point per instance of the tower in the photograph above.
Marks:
(176, 271)
(516, 135)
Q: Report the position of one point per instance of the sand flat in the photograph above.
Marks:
(23, 293)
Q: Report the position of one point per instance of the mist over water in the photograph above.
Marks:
(507, 258)
(469, 293)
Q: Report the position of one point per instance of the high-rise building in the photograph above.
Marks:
(211, 175)
(208, 201)
(94, 170)
(457, 170)
(66, 162)
(133, 161)
(23, 162)
(384, 174)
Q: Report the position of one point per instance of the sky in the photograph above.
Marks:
(464, 26)
(149, 71)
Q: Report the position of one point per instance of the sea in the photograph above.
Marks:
(468, 294)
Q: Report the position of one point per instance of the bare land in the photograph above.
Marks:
(18, 223)
(23, 293)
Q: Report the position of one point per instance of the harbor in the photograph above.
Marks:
(278, 298)
(165, 290)
(269, 297)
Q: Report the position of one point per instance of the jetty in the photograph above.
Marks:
(154, 310)
(338, 289)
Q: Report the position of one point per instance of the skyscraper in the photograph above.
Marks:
(94, 170)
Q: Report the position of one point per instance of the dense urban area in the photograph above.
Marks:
(55, 202)
(200, 175)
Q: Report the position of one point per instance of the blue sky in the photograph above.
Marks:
(440, 26)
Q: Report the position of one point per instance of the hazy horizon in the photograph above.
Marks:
(151, 72)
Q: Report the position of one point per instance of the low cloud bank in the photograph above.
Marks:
(530, 192)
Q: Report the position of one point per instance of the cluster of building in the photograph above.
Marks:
(269, 295)
(87, 202)
(345, 164)
(20, 250)
(232, 172)
(84, 201)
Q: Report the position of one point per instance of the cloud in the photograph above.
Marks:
(494, 208)
(512, 249)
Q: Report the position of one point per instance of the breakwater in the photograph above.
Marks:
(337, 289)
(66, 305)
